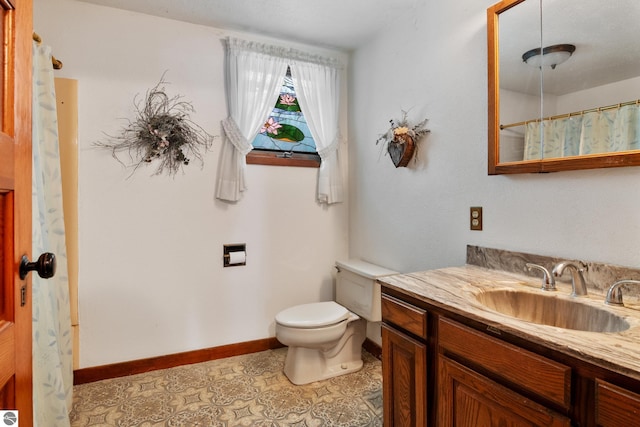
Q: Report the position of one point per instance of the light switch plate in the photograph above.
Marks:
(475, 218)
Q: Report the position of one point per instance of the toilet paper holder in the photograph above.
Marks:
(227, 250)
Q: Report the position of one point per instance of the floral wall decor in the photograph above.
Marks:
(402, 139)
(162, 132)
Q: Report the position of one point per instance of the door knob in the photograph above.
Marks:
(45, 266)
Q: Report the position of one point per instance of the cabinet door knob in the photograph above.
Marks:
(45, 266)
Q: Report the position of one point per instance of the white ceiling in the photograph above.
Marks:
(605, 34)
(341, 24)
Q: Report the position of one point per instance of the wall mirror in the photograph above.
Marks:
(564, 85)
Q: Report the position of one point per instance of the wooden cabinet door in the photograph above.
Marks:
(15, 207)
(468, 399)
(616, 406)
(404, 379)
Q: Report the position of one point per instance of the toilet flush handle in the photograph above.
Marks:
(337, 268)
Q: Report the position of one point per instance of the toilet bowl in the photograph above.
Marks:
(325, 338)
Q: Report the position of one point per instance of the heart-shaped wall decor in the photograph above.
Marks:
(401, 150)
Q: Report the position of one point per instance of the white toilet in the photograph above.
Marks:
(325, 338)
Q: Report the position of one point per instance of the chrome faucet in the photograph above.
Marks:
(614, 294)
(548, 283)
(579, 287)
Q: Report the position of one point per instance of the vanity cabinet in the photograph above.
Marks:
(468, 397)
(441, 368)
(404, 389)
(616, 406)
(404, 359)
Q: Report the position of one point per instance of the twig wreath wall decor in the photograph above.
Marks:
(162, 131)
(402, 139)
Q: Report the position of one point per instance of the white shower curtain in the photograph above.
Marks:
(607, 131)
(560, 138)
(611, 130)
(52, 337)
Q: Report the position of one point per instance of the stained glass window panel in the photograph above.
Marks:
(286, 129)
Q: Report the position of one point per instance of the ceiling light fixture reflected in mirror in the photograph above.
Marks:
(551, 55)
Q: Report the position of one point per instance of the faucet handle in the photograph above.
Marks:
(614, 294)
(548, 282)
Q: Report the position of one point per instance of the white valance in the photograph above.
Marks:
(287, 53)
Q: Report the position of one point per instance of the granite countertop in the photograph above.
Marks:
(455, 289)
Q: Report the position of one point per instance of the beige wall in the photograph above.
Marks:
(67, 108)
(418, 218)
(150, 274)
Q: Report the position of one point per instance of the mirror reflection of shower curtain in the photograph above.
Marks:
(610, 130)
(560, 138)
(52, 337)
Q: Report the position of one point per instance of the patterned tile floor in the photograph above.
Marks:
(248, 390)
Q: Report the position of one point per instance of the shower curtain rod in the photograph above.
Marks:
(57, 64)
(575, 113)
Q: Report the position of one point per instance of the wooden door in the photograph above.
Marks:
(15, 207)
(468, 399)
(616, 406)
(404, 379)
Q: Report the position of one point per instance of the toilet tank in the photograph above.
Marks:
(357, 289)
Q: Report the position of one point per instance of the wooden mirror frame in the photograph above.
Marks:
(591, 161)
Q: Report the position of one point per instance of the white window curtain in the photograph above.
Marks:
(253, 81)
(52, 337)
(317, 87)
(254, 75)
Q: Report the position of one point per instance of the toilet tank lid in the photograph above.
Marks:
(364, 268)
(313, 315)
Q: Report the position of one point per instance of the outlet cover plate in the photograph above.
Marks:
(475, 218)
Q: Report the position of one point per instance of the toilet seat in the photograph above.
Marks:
(314, 315)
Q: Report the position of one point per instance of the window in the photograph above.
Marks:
(285, 138)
